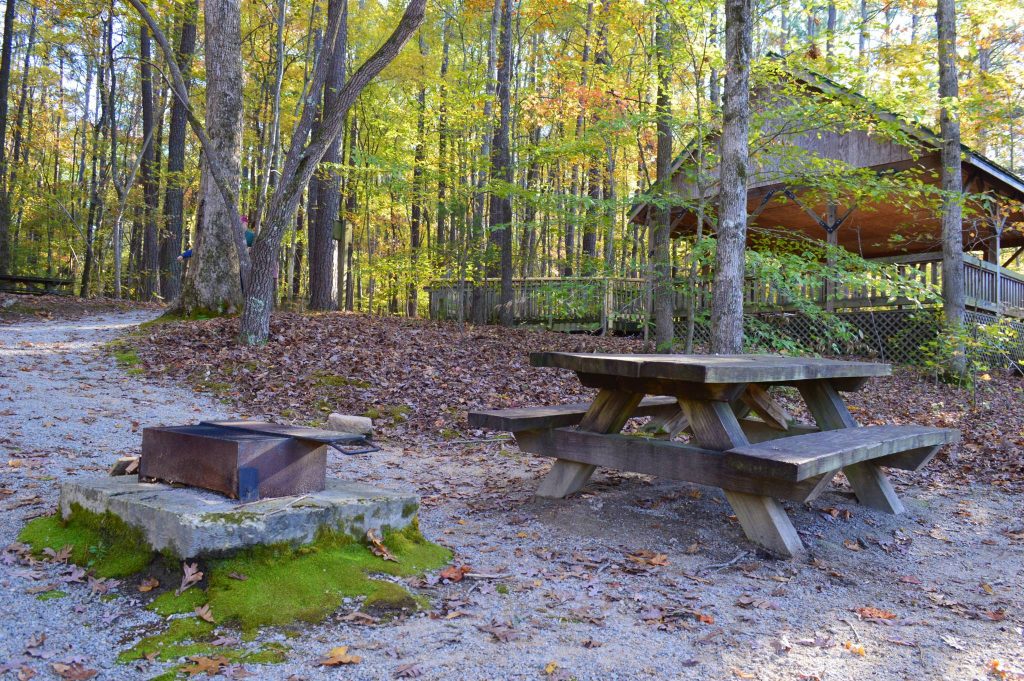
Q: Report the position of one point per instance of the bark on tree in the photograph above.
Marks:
(150, 183)
(214, 279)
(662, 293)
(5, 82)
(322, 260)
(501, 165)
(727, 296)
(417, 217)
(301, 162)
(170, 247)
(952, 183)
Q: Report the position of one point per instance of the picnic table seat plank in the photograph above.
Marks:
(802, 456)
(555, 416)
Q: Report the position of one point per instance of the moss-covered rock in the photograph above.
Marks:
(262, 586)
(104, 543)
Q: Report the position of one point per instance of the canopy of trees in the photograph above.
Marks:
(506, 138)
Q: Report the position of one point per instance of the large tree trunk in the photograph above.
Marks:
(727, 298)
(150, 183)
(322, 287)
(170, 247)
(214, 279)
(952, 183)
(501, 164)
(662, 293)
(5, 82)
(301, 163)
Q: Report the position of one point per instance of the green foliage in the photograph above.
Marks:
(975, 347)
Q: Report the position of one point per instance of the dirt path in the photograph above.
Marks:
(566, 599)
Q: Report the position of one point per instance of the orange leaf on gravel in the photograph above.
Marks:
(338, 656)
(870, 613)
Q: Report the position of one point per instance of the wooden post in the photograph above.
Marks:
(607, 414)
(833, 240)
(867, 479)
(762, 518)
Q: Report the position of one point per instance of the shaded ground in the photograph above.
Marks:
(635, 578)
(21, 307)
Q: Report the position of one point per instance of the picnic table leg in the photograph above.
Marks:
(607, 414)
(868, 480)
(762, 517)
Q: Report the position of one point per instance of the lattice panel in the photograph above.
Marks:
(890, 335)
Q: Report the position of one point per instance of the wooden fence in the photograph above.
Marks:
(618, 303)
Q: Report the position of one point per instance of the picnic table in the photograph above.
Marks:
(743, 440)
(16, 283)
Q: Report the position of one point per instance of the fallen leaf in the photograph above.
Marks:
(455, 573)
(238, 575)
(211, 666)
(855, 648)
(72, 672)
(148, 584)
(191, 575)
(870, 613)
(408, 671)
(853, 544)
(338, 656)
(377, 547)
(203, 613)
(953, 642)
(550, 668)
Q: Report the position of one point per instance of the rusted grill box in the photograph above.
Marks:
(210, 456)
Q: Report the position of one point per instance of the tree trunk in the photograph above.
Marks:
(501, 165)
(727, 298)
(5, 82)
(662, 293)
(300, 164)
(170, 279)
(322, 287)
(952, 184)
(417, 218)
(214, 278)
(150, 183)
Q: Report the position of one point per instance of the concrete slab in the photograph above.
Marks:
(190, 522)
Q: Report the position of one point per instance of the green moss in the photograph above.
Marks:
(235, 518)
(326, 379)
(372, 413)
(502, 589)
(389, 598)
(51, 595)
(104, 543)
(168, 603)
(220, 388)
(178, 316)
(184, 636)
(287, 584)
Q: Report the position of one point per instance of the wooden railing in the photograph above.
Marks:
(604, 302)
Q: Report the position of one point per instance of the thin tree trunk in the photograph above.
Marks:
(501, 164)
(727, 299)
(662, 292)
(174, 196)
(150, 183)
(417, 216)
(953, 304)
(5, 82)
(322, 287)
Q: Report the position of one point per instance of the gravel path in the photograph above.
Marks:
(565, 594)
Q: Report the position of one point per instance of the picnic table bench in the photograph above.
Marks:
(16, 283)
(742, 439)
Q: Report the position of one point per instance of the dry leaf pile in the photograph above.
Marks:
(419, 378)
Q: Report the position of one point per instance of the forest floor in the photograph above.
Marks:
(634, 578)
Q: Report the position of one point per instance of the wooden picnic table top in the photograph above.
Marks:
(710, 368)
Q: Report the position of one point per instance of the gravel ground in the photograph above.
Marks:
(568, 590)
